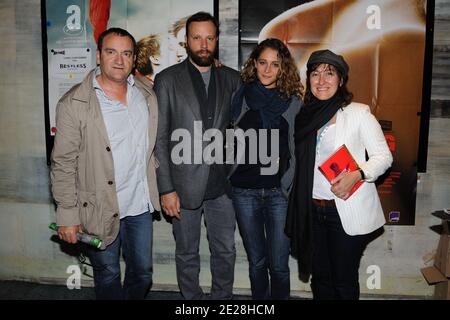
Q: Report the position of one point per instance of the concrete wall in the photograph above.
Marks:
(26, 208)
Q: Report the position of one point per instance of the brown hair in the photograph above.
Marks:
(201, 17)
(288, 78)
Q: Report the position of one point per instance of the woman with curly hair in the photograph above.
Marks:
(267, 102)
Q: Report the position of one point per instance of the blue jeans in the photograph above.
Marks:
(261, 216)
(336, 257)
(135, 238)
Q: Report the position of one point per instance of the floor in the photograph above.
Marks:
(17, 290)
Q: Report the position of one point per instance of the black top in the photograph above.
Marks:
(217, 179)
(249, 175)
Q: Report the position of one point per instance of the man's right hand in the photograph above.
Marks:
(69, 234)
(170, 203)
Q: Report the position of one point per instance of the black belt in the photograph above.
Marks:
(324, 203)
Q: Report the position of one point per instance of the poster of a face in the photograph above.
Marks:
(165, 23)
(383, 41)
(73, 27)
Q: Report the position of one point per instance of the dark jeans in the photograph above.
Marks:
(135, 238)
(261, 216)
(336, 257)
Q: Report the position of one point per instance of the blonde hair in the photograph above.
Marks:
(178, 25)
(147, 47)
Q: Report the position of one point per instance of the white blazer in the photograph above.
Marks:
(359, 130)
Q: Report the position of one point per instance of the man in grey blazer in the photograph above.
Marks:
(194, 96)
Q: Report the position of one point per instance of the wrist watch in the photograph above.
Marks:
(363, 176)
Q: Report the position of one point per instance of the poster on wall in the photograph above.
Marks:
(71, 29)
(385, 44)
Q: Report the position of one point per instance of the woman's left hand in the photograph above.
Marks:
(344, 182)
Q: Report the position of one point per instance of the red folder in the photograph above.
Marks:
(341, 159)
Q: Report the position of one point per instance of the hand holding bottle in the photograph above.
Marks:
(82, 237)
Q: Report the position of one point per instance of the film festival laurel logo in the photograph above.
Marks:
(211, 147)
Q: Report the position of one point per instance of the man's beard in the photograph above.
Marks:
(201, 61)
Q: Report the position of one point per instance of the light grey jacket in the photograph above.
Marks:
(82, 168)
(289, 115)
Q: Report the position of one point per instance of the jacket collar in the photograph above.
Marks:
(144, 85)
(86, 88)
(184, 81)
(86, 94)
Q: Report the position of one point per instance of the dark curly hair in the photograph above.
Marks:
(288, 79)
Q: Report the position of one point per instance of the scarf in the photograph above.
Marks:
(267, 102)
(311, 118)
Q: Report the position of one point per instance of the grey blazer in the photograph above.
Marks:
(178, 109)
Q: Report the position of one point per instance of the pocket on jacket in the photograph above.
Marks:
(89, 213)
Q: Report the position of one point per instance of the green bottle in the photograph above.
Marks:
(83, 237)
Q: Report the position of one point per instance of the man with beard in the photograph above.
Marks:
(195, 94)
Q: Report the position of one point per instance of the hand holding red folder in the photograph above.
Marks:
(341, 160)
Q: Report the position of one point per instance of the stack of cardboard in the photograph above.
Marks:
(439, 273)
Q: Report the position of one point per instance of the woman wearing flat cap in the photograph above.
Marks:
(329, 229)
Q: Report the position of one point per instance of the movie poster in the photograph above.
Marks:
(384, 43)
(73, 26)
